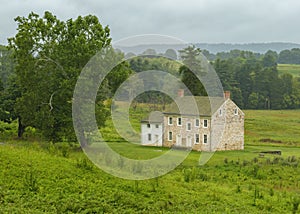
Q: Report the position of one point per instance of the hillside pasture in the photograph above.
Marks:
(294, 70)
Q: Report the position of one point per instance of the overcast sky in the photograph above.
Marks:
(212, 21)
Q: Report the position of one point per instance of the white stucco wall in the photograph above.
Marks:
(156, 134)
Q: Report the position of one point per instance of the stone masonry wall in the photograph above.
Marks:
(228, 128)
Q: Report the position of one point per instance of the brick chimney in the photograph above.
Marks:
(180, 93)
(227, 95)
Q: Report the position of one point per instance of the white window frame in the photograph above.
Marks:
(197, 136)
(179, 118)
(236, 111)
(170, 118)
(204, 123)
(187, 126)
(170, 136)
(197, 119)
(204, 139)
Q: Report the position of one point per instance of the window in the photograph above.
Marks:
(196, 138)
(205, 138)
(149, 137)
(157, 126)
(197, 122)
(205, 123)
(170, 121)
(236, 111)
(170, 136)
(148, 125)
(179, 121)
(220, 112)
(188, 126)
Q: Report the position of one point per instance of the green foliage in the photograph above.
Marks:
(295, 203)
(192, 60)
(143, 63)
(39, 181)
(31, 181)
(232, 180)
(46, 77)
(8, 130)
(84, 163)
(255, 83)
(6, 66)
(289, 56)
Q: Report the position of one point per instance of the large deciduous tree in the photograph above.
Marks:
(49, 56)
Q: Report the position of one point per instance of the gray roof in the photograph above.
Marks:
(188, 105)
(154, 117)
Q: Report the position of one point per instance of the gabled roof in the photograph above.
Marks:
(188, 105)
(154, 117)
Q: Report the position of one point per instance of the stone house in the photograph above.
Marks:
(217, 124)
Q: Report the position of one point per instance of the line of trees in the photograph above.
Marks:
(284, 57)
(256, 84)
(253, 79)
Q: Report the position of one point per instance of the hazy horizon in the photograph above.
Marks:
(194, 21)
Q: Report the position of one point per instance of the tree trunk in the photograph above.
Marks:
(21, 128)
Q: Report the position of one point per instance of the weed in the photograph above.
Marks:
(31, 181)
(83, 163)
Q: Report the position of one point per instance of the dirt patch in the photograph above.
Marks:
(268, 140)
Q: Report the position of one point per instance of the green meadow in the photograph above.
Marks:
(40, 177)
(294, 70)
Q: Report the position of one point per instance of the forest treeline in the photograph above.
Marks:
(291, 56)
(42, 62)
(252, 78)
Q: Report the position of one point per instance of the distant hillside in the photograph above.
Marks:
(214, 48)
(254, 47)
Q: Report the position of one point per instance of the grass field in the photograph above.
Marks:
(288, 68)
(45, 178)
(276, 127)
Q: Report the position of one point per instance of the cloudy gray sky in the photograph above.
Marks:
(213, 21)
